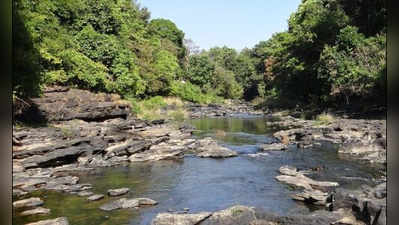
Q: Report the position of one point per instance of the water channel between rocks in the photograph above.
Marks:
(205, 184)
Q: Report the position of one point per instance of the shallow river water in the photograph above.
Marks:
(205, 184)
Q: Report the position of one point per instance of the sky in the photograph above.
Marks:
(234, 23)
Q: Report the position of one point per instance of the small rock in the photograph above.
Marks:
(30, 202)
(118, 192)
(38, 210)
(146, 201)
(95, 197)
(124, 203)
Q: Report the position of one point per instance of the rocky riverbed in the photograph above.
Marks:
(86, 132)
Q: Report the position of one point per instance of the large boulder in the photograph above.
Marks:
(209, 148)
(234, 215)
(68, 104)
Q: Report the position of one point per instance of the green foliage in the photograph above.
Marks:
(102, 45)
(189, 92)
(327, 56)
(200, 71)
(353, 67)
(333, 52)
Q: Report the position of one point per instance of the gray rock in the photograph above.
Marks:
(274, 147)
(180, 219)
(234, 215)
(95, 197)
(118, 204)
(314, 197)
(30, 202)
(209, 148)
(146, 201)
(217, 152)
(162, 151)
(124, 203)
(35, 211)
(298, 179)
(77, 104)
(57, 221)
(118, 192)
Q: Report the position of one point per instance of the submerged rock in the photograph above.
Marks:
(57, 221)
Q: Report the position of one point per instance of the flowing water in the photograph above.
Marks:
(206, 184)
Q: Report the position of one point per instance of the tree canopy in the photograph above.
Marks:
(333, 53)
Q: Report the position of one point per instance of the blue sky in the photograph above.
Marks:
(234, 23)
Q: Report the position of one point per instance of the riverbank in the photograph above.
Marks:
(85, 131)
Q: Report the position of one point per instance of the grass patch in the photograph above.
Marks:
(169, 108)
(324, 119)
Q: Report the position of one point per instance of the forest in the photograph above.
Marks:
(333, 55)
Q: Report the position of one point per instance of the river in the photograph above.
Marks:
(203, 184)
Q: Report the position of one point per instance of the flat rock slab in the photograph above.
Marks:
(30, 202)
(181, 219)
(95, 197)
(162, 151)
(216, 151)
(118, 192)
(274, 147)
(232, 216)
(125, 203)
(57, 221)
(314, 197)
(298, 179)
(36, 211)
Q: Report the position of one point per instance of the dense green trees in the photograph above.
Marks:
(333, 53)
(328, 56)
(107, 45)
